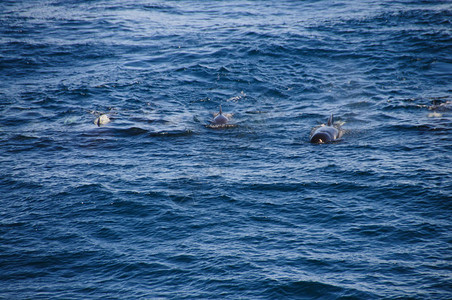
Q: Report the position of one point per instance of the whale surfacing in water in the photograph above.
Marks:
(326, 133)
(220, 119)
(101, 120)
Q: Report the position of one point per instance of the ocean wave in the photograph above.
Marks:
(155, 205)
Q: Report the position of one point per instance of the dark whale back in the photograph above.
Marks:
(220, 119)
(322, 137)
(325, 133)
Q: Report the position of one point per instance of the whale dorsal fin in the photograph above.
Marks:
(220, 110)
(330, 120)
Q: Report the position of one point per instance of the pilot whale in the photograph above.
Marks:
(326, 133)
(101, 120)
(220, 119)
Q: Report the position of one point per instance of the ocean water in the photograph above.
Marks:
(155, 204)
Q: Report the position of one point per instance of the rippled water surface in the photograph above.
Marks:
(155, 204)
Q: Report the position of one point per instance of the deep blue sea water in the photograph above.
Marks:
(155, 204)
